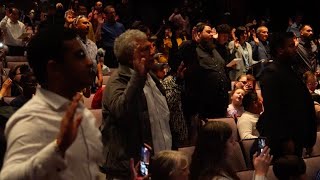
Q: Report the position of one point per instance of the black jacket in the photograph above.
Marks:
(288, 107)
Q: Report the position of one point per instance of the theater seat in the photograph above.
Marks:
(313, 166)
(248, 174)
(246, 146)
(13, 64)
(232, 124)
(237, 160)
(316, 148)
(16, 59)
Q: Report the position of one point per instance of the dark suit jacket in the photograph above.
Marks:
(288, 107)
(259, 51)
(126, 124)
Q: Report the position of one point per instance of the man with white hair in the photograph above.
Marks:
(134, 107)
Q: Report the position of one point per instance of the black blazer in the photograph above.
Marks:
(288, 107)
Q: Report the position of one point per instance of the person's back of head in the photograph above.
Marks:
(223, 29)
(250, 102)
(290, 167)
(170, 165)
(282, 45)
(211, 150)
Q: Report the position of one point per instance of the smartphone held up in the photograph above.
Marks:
(144, 162)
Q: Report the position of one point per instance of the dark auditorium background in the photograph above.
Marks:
(153, 11)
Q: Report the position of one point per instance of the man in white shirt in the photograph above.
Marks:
(53, 136)
(13, 29)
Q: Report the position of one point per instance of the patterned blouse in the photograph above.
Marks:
(177, 122)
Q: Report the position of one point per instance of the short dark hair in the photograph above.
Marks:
(47, 44)
(24, 68)
(278, 40)
(223, 28)
(200, 26)
(248, 99)
(105, 10)
(289, 166)
(14, 9)
(240, 31)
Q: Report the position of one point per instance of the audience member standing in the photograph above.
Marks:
(134, 106)
(97, 18)
(243, 50)
(54, 136)
(209, 83)
(109, 32)
(13, 29)
(296, 25)
(307, 52)
(289, 115)
(81, 24)
(260, 44)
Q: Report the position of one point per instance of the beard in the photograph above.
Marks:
(207, 45)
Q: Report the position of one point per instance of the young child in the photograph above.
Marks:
(236, 108)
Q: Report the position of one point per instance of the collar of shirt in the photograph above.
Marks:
(11, 22)
(54, 100)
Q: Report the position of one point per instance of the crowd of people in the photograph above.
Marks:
(164, 88)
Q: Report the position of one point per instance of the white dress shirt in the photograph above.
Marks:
(31, 147)
(12, 31)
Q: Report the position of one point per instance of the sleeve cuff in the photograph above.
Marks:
(48, 160)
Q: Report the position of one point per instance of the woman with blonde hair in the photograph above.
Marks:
(165, 165)
(170, 165)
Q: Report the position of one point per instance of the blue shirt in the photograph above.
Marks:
(110, 32)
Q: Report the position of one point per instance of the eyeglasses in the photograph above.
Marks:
(243, 82)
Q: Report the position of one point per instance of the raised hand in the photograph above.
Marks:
(181, 70)
(69, 126)
(255, 39)
(236, 43)
(5, 86)
(143, 58)
(195, 35)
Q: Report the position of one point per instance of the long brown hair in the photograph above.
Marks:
(208, 159)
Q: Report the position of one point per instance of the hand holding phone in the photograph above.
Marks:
(145, 160)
